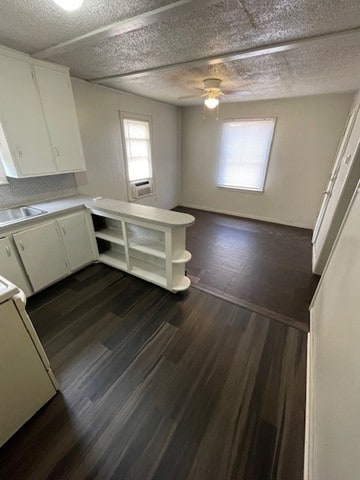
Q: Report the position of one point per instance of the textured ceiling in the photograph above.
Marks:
(30, 25)
(323, 66)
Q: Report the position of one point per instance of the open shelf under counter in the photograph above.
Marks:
(184, 284)
(112, 235)
(147, 242)
(148, 246)
(183, 258)
(148, 271)
(114, 258)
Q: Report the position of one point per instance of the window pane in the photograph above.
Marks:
(138, 149)
(139, 169)
(245, 148)
(136, 129)
(3, 178)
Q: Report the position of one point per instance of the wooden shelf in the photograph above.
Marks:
(114, 258)
(148, 271)
(151, 252)
(183, 258)
(145, 245)
(111, 235)
(183, 285)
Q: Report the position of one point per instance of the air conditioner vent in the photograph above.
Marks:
(141, 188)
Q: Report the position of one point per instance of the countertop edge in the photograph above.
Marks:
(63, 205)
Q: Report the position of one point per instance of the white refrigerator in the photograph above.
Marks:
(26, 379)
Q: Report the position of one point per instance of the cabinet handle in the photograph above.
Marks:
(20, 153)
(8, 251)
(57, 152)
(63, 229)
(21, 245)
(347, 159)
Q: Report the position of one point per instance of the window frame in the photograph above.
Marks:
(258, 191)
(3, 177)
(124, 115)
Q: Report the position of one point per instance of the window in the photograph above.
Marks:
(3, 178)
(137, 140)
(245, 151)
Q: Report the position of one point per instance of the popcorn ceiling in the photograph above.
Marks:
(331, 65)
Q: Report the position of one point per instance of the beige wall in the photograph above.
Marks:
(306, 136)
(333, 390)
(98, 111)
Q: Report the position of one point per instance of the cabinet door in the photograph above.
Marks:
(10, 266)
(42, 254)
(23, 120)
(58, 102)
(25, 384)
(77, 240)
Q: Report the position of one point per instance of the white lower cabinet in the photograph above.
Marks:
(54, 249)
(10, 266)
(42, 254)
(76, 236)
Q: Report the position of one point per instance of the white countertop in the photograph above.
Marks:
(7, 289)
(135, 211)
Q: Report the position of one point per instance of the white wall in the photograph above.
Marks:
(333, 424)
(306, 136)
(98, 111)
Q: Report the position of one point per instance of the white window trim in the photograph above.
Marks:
(3, 178)
(258, 191)
(143, 118)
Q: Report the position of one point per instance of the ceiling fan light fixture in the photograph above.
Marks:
(69, 5)
(211, 102)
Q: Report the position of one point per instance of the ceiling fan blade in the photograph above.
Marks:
(188, 97)
(234, 92)
(193, 96)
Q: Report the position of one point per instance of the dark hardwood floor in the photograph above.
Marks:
(161, 386)
(263, 266)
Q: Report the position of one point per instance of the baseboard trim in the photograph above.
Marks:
(245, 215)
(309, 411)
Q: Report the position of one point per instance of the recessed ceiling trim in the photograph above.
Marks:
(181, 7)
(231, 56)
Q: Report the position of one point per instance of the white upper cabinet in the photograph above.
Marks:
(39, 130)
(57, 99)
(25, 142)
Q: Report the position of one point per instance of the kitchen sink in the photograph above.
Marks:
(13, 215)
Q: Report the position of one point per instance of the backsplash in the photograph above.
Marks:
(36, 189)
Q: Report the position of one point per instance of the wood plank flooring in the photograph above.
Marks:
(161, 386)
(263, 266)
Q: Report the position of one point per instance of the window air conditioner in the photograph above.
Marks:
(141, 188)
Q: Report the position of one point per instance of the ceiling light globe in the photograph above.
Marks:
(69, 5)
(211, 102)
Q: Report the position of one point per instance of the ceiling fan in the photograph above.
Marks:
(212, 91)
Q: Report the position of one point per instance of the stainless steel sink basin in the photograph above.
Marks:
(13, 215)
